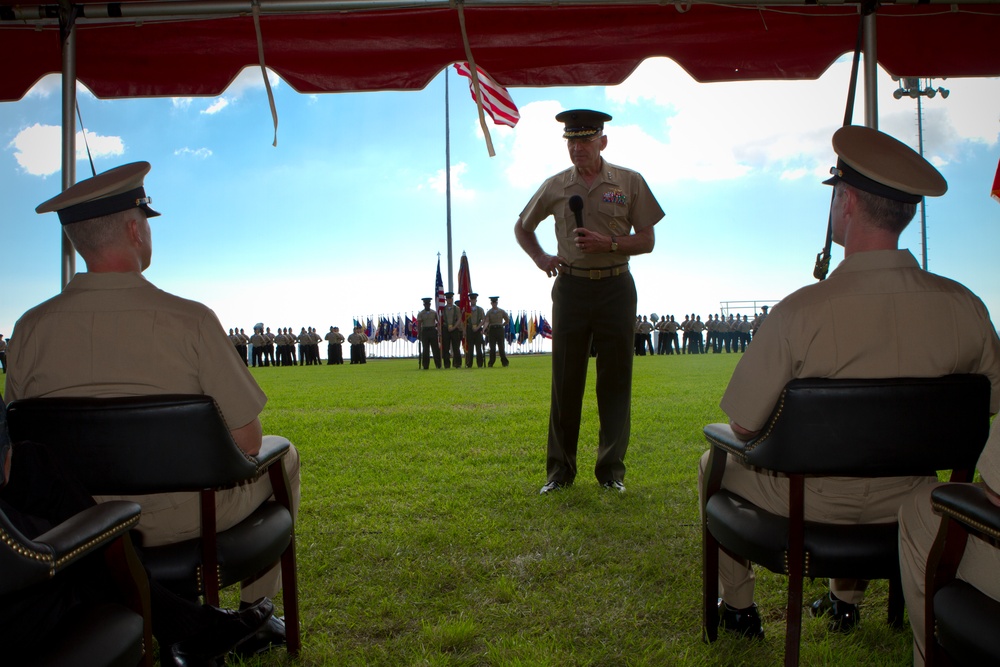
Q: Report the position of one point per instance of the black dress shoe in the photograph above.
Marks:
(270, 635)
(219, 636)
(176, 657)
(844, 616)
(744, 622)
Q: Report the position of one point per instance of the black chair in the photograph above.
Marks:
(108, 634)
(170, 443)
(823, 427)
(961, 622)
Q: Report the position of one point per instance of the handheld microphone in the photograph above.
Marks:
(576, 205)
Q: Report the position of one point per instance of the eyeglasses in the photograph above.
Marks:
(583, 140)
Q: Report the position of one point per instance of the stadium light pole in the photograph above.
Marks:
(917, 88)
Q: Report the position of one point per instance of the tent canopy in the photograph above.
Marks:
(188, 48)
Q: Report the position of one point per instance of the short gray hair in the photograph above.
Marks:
(91, 236)
(888, 214)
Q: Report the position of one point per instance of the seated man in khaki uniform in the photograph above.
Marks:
(165, 345)
(918, 526)
(823, 330)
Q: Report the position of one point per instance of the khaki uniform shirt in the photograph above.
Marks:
(452, 316)
(496, 316)
(989, 460)
(357, 338)
(476, 317)
(825, 330)
(335, 338)
(427, 318)
(618, 202)
(163, 344)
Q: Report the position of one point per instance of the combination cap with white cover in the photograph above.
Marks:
(875, 162)
(111, 191)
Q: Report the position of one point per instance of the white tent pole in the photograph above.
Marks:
(68, 135)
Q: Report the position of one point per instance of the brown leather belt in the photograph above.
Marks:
(593, 274)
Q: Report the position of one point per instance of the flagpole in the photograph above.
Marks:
(447, 174)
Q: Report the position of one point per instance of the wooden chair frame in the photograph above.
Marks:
(827, 427)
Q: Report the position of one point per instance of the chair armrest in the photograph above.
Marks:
(272, 448)
(721, 435)
(968, 505)
(91, 529)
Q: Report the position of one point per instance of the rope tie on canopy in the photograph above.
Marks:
(475, 77)
(822, 266)
(263, 68)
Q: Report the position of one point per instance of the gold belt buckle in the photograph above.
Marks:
(595, 274)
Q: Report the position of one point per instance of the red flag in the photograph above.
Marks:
(996, 184)
(497, 102)
(464, 286)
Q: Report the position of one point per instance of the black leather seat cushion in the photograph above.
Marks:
(244, 550)
(107, 635)
(858, 551)
(967, 624)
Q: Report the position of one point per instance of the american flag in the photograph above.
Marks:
(439, 299)
(439, 290)
(497, 102)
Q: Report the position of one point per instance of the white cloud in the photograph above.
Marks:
(200, 153)
(48, 85)
(217, 106)
(38, 149)
(536, 151)
(721, 131)
(794, 174)
(672, 129)
(51, 84)
(250, 79)
(458, 190)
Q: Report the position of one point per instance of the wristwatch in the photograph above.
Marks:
(614, 244)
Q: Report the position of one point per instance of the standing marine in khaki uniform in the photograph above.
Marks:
(474, 322)
(496, 319)
(451, 331)
(427, 321)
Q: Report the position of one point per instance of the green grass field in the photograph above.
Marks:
(422, 539)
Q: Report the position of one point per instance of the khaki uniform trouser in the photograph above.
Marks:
(841, 500)
(586, 314)
(176, 517)
(918, 526)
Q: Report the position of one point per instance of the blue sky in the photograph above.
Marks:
(346, 216)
